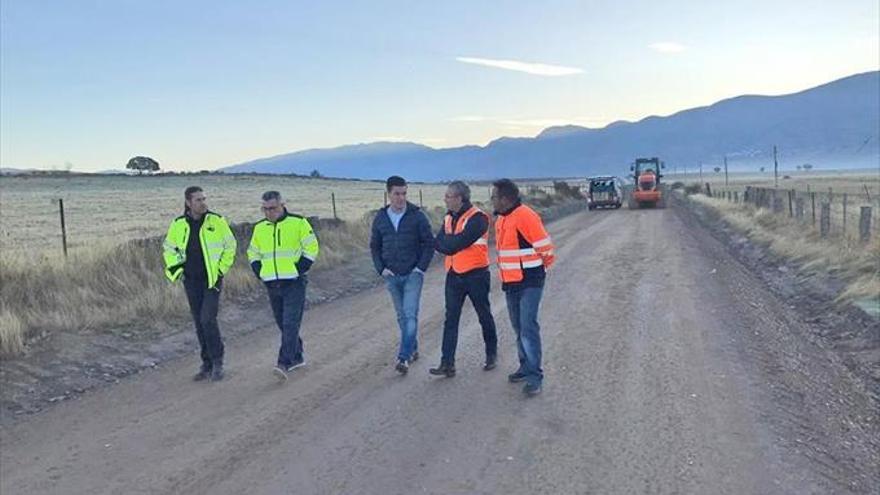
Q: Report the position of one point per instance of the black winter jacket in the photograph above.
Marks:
(408, 247)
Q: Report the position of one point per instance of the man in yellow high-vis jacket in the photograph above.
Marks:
(200, 248)
(283, 248)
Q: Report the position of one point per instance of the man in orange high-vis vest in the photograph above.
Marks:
(464, 239)
(525, 252)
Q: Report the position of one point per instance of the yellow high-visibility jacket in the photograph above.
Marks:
(278, 248)
(218, 247)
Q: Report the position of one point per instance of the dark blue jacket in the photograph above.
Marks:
(408, 247)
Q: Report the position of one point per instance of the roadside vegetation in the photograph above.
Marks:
(856, 264)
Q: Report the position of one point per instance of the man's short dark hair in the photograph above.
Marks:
(272, 195)
(394, 181)
(505, 188)
(188, 193)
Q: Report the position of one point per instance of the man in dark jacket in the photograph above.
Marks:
(402, 245)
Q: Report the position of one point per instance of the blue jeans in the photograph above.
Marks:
(522, 305)
(405, 292)
(288, 300)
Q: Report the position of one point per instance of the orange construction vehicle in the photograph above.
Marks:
(647, 191)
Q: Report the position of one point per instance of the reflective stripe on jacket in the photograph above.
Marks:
(472, 257)
(218, 247)
(521, 243)
(278, 246)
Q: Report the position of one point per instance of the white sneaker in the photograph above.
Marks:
(279, 373)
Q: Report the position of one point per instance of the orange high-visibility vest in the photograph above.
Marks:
(521, 242)
(472, 257)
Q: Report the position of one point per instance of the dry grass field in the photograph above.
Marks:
(104, 209)
(855, 188)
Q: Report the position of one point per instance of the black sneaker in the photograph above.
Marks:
(516, 377)
(402, 366)
(217, 373)
(532, 389)
(414, 357)
(491, 363)
(443, 370)
(202, 375)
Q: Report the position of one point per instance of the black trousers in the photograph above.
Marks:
(475, 285)
(204, 304)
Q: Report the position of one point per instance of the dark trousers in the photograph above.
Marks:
(475, 285)
(288, 300)
(204, 304)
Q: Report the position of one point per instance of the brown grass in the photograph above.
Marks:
(857, 264)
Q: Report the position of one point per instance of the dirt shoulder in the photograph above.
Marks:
(846, 329)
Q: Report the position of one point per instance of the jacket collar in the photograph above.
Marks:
(515, 205)
(283, 216)
(409, 207)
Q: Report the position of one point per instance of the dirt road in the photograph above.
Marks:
(669, 369)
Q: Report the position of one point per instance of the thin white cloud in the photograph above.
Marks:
(470, 118)
(667, 47)
(527, 67)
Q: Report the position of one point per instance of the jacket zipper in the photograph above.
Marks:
(205, 254)
(276, 240)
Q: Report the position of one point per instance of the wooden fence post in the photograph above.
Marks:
(813, 206)
(63, 228)
(865, 224)
(825, 221)
(790, 208)
(844, 215)
(799, 208)
(333, 200)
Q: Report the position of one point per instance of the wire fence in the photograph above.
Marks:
(849, 216)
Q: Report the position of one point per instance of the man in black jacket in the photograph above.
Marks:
(402, 247)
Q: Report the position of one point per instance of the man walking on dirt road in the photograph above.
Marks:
(525, 252)
(402, 246)
(200, 247)
(464, 239)
(282, 249)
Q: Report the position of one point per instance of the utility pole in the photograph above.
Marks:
(775, 169)
(725, 170)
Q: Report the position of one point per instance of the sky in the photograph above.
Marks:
(204, 84)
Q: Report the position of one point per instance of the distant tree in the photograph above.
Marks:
(799, 168)
(717, 169)
(143, 164)
(808, 166)
(762, 169)
(315, 174)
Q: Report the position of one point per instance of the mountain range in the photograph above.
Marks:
(835, 125)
